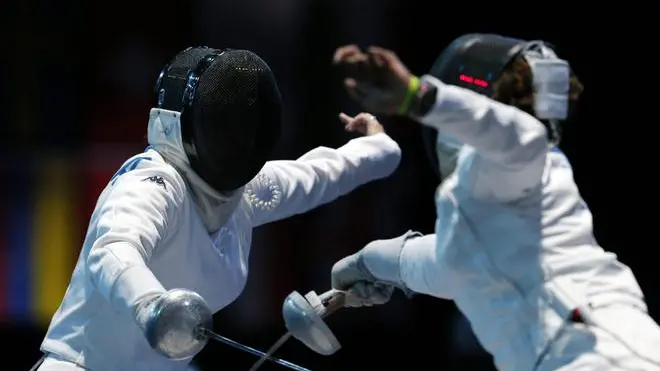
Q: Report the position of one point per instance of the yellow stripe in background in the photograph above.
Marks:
(54, 236)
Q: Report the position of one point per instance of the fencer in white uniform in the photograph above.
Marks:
(161, 225)
(513, 244)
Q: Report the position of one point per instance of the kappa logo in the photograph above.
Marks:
(156, 179)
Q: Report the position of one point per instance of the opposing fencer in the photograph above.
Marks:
(513, 243)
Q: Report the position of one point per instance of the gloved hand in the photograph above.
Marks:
(171, 323)
(371, 275)
(376, 79)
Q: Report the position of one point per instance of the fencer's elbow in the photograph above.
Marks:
(391, 146)
(538, 136)
(120, 274)
(102, 266)
(390, 156)
(531, 148)
(392, 164)
(539, 144)
(106, 260)
(395, 155)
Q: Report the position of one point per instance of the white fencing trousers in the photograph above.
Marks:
(624, 338)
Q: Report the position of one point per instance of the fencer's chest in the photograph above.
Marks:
(215, 266)
(478, 239)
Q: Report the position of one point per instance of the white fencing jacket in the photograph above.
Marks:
(514, 246)
(147, 235)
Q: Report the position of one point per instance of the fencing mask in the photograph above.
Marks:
(476, 61)
(230, 108)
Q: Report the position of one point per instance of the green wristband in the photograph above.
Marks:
(413, 87)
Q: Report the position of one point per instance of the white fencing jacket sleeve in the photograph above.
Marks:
(510, 149)
(286, 188)
(131, 221)
(511, 145)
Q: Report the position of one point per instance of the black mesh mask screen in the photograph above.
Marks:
(231, 119)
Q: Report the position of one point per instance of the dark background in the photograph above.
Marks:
(76, 83)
